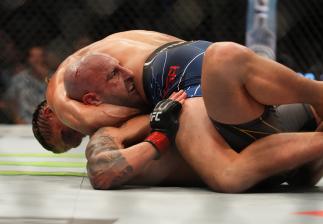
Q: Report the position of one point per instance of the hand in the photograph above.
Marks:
(164, 122)
(179, 96)
(164, 117)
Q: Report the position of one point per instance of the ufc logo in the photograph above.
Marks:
(154, 116)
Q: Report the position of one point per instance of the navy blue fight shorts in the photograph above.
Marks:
(172, 67)
(178, 65)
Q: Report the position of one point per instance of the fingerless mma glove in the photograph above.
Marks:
(164, 124)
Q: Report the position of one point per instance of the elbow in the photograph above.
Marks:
(98, 185)
(98, 182)
(227, 182)
(99, 179)
(101, 168)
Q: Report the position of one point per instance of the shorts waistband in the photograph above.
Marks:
(164, 47)
(146, 76)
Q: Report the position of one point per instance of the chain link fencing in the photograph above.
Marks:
(61, 27)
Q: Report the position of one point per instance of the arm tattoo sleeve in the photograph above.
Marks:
(100, 144)
(106, 166)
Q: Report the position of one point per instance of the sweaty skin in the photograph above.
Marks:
(111, 165)
(111, 162)
(80, 117)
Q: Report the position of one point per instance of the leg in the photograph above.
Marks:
(307, 175)
(236, 79)
(227, 171)
(311, 173)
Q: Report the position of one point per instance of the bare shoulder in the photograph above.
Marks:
(129, 33)
(144, 35)
(136, 33)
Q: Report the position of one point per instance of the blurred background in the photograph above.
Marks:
(36, 35)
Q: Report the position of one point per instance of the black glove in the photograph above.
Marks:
(164, 124)
(164, 117)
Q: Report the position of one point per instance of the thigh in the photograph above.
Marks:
(283, 118)
(226, 98)
(311, 173)
(200, 144)
(215, 161)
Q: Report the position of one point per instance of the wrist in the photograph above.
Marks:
(159, 141)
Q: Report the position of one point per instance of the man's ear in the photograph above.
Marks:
(91, 99)
(47, 111)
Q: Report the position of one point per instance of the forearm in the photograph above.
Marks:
(87, 118)
(109, 163)
(112, 167)
(104, 115)
(70, 112)
(109, 167)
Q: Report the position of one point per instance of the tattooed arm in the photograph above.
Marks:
(110, 164)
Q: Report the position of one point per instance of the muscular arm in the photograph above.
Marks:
(113, 162)
(79, 116)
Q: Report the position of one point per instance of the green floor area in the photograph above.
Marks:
(20, 154)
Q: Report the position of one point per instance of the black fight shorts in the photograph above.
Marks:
(275, 119)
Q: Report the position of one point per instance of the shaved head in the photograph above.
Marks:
(99, 78)
(81, 77)
(71, 81)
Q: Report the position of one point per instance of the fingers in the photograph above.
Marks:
(174, 95)
(179, 96)
(182, 97)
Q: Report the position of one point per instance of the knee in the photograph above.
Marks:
(226, 53)
(228, 182)
(304, 177)
(228, 186)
